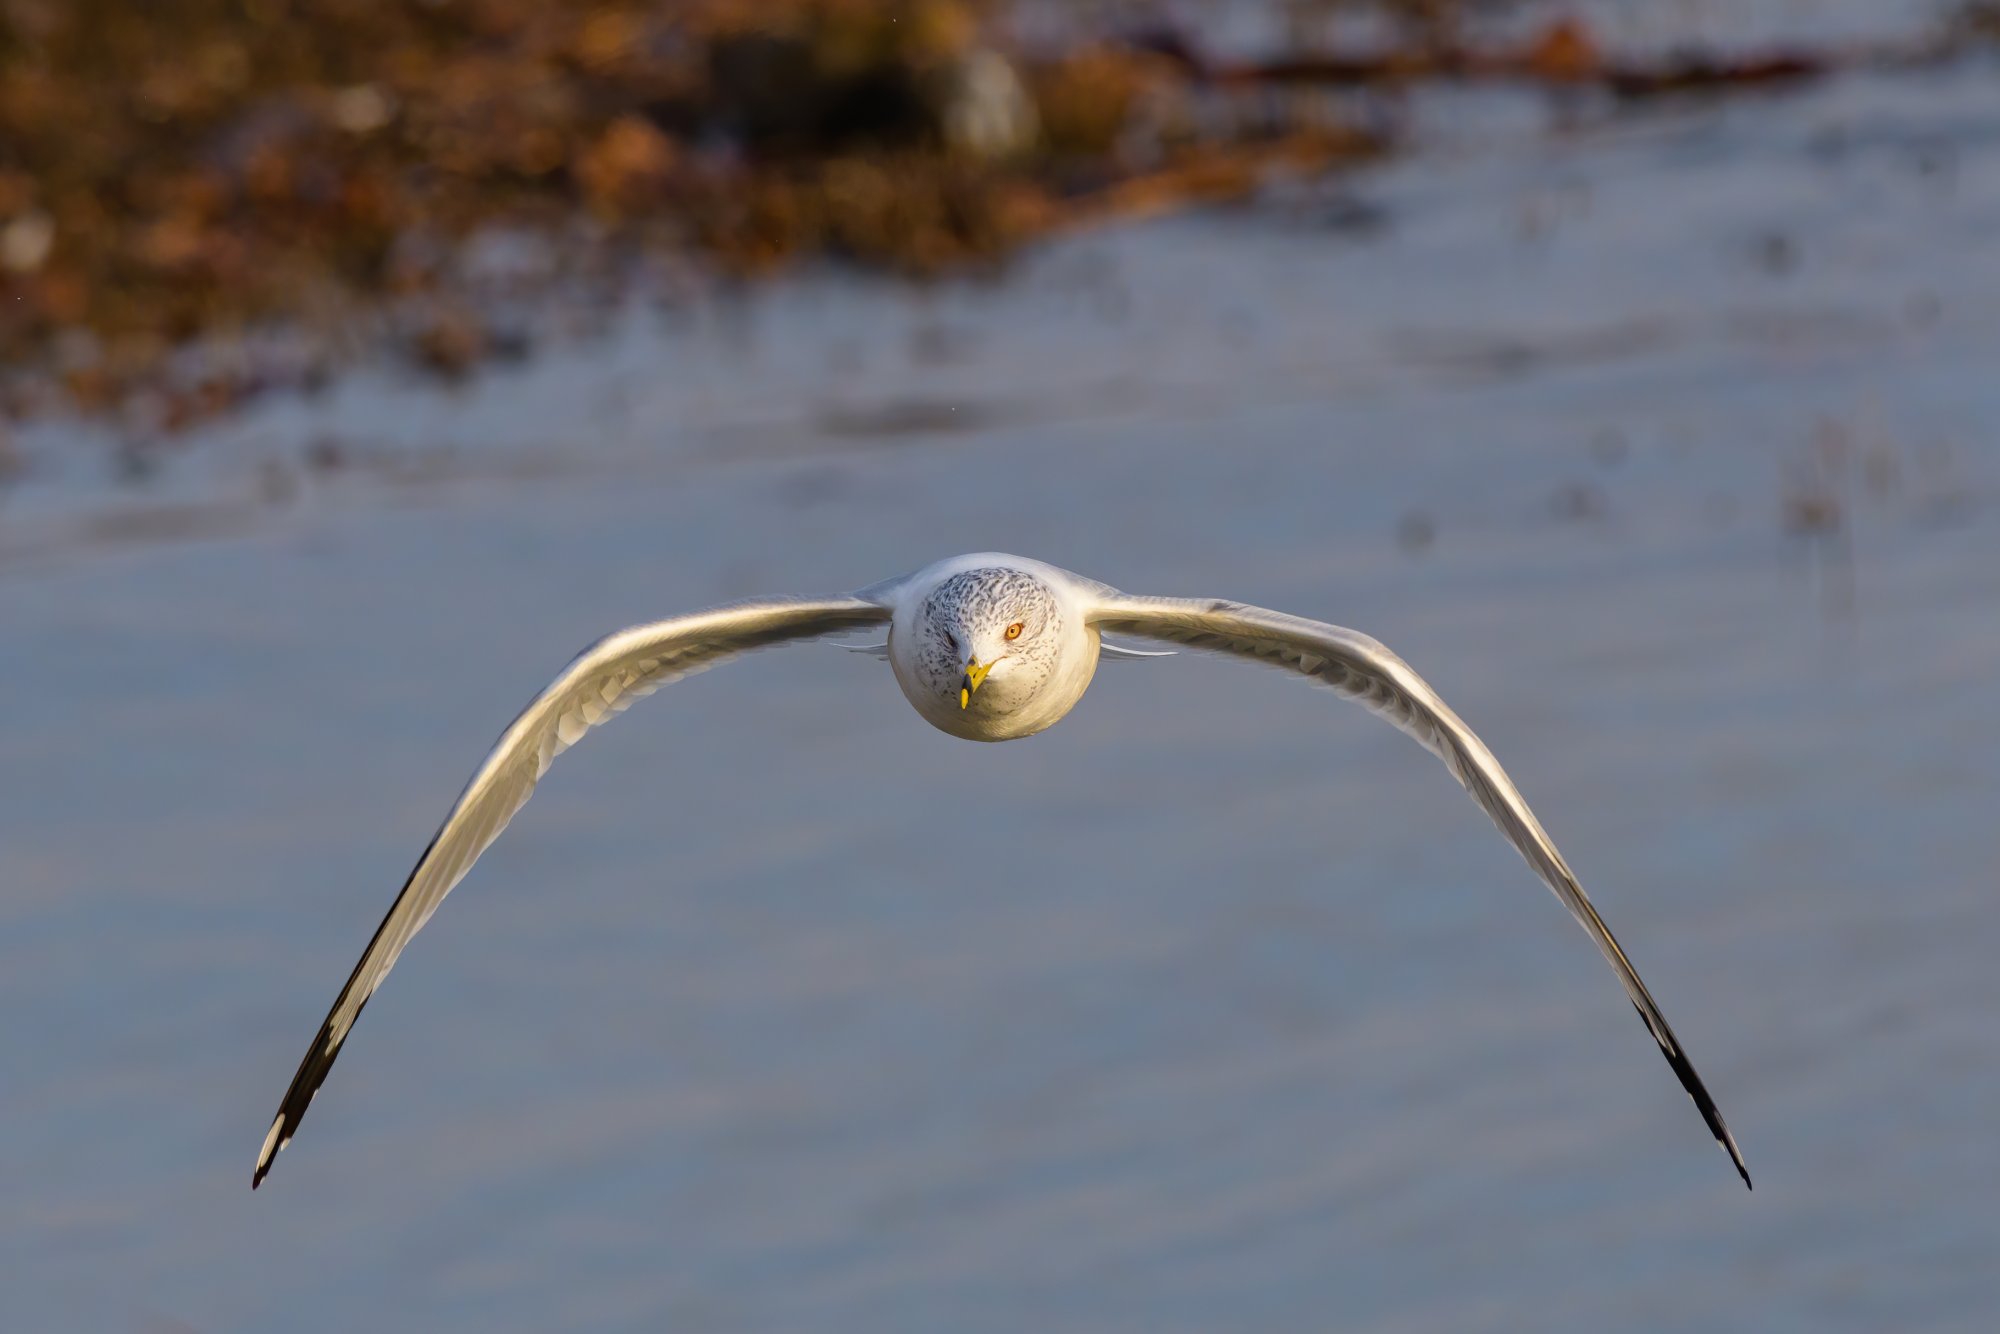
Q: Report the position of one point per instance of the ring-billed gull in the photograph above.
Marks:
(987, 647)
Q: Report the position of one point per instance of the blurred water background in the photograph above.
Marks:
(1661, 442)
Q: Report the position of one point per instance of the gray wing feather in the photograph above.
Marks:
(1363, 670)
(601, 681)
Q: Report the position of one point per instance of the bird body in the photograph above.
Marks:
(986, 647)
(956, 613)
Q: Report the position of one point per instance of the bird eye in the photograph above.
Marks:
(1014, 630)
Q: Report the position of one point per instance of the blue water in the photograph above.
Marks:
(1216, 1007)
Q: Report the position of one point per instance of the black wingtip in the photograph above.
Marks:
(275, 1139)
(305, 1084)
(1684, 1070)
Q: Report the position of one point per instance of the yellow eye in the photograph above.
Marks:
(1014, 630)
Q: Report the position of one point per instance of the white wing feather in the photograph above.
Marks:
(601, 681)
(1365, 671)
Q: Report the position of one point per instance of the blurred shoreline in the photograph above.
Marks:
(206, 202)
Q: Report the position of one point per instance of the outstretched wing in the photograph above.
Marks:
(604, 679)
(1368, 673)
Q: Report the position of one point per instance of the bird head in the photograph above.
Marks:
(990, 638)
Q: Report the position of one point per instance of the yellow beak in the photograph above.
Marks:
(975, 673)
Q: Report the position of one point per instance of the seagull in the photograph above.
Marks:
(987, 647)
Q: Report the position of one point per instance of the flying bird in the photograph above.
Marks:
(987, 647)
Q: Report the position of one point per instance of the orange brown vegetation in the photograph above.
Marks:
(176, 170)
